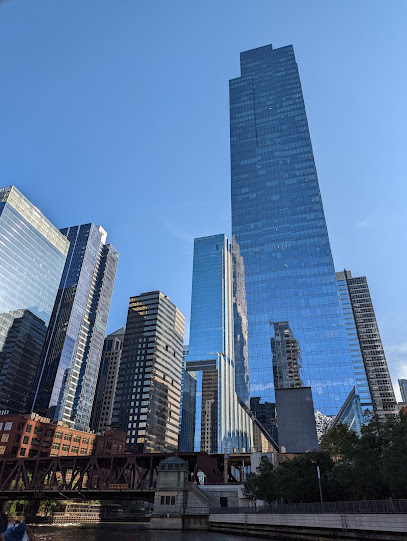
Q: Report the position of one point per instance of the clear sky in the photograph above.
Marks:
(116, 112)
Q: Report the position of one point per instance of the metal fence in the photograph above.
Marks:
(341, 508)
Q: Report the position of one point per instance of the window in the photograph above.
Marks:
(20, 427)
(65, 447)
(85, 441)
(14, 450)
(32, 452)
(35, 442)
(28, 428)
(17, 438)
(167, 500)
(67, 437)
(75, 449)
(58, 435)
(5, 437)
(46, 444)
(162, 500)
(1, 426)
(172, 500)
(56, 445)
(2, 449)
(48, 433)
(37, 430)
(8, 426)
(76, 438)
(25, 440)
(83, 451)
(22, 451)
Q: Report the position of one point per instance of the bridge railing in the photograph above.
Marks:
(342, 508)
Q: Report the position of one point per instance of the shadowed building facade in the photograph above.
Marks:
(284, 272)
(32, 258)
(107, 381)
(375, 368)
(66, 381)
(147, 399)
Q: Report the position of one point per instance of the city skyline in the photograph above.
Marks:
(360, 227)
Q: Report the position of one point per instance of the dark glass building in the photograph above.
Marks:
(374, 359)
(290, 328)
(32, 258)
(67, 377)
(147, 399)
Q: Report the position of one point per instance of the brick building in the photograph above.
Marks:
(31, 435)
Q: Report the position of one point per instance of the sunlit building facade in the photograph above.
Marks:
(32, 258)
(148, 390)
(280, 240)
(221, 421)
(69, 367)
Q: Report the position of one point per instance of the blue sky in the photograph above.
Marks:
(116, 112)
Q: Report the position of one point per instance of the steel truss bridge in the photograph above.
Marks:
(126, 476)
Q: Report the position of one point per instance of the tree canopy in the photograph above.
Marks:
(370, 466)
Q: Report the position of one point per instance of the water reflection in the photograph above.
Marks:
(125, 532)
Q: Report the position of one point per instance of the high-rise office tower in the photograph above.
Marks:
(68, 372)
(284, 272)
(32, 258)
(362, 385)
(107, 381)
(374, 359)
(221, 422)
(403, 389)
(147, 400)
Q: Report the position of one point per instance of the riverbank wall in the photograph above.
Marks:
(313, 527)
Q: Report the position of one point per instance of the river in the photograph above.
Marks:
(124, 532)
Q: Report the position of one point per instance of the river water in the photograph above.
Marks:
(124, 532)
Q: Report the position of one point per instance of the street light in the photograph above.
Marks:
(319, 483)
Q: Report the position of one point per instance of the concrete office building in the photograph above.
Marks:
(374, 360)
(147, 400)
(107, 381)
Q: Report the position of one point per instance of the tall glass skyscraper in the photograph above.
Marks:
(221, 422)
(32, 258)
(69, 367)
(285, 286)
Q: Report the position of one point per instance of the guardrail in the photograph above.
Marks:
(351, 507)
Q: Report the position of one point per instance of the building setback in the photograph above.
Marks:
(374, 359)
(107, 381)
(283, 267)
(222, 423)
(32, 258)
(147, 400)
(32, 436)
(69, 367)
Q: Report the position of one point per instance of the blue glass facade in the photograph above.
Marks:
(280, 239)
(67, 378)
(32, 258)
(221, 423)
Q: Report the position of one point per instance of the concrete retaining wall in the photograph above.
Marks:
(313, 527)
